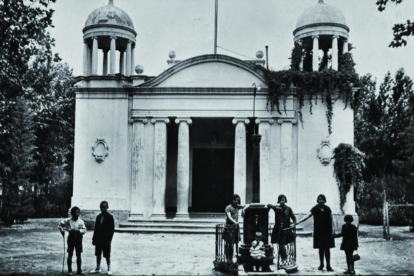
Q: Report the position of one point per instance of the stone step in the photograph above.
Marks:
(175, 224)
(178, 221)
(179, 229)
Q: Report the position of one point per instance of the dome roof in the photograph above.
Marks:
(109, 15)
(321, 13)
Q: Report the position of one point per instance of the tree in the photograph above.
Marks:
(401, 30)
(23, 25)
(17, 165)
(53, 104)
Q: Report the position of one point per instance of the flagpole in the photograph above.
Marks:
(215, 29)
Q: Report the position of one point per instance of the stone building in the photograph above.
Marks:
(179, 144)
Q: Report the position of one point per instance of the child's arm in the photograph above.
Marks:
(340, 234)
(62, 226)
(82, 228)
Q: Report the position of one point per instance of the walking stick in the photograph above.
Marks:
(64, 252)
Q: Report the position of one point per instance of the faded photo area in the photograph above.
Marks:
(182, 137)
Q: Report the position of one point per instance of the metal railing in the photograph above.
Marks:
(231, 236)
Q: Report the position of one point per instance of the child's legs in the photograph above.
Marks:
(321, 255)
(349, 254)
(328, 257)
(348, 259)
(98, 254)
(78, 249)
(107, 254)
(71, 247)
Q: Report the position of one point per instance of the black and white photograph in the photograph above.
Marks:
(206, 137)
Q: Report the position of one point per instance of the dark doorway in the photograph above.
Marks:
(212, 185)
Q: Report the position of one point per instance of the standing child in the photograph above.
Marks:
(102, 237)
(76, 228)
(349, 242)
(257, 252)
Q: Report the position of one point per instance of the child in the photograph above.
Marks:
(102, 237)
(349, 242)
(231, 232)
(76, 228)
(257, 251)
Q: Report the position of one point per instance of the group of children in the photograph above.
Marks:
(101, 239)
(323, 243)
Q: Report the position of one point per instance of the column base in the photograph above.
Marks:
(182, 216)
(159, 216)
(136, 215)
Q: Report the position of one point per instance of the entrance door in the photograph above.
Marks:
(212, 185)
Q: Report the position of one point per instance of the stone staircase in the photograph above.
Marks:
(199, 223)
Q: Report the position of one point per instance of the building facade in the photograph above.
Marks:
(180, 143)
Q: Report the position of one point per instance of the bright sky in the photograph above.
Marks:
(244, 26)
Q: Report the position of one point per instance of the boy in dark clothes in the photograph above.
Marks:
(349, 242)
(102, 237)
(76, 228)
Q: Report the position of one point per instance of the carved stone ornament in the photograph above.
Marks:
(100, 150)
(325, 152)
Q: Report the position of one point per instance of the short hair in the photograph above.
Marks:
(233, 197)
(279, 198)
(104, 202)
(348, 217)
(74, 209)
(321, 196)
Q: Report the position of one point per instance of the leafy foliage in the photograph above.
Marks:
(401, 30)
(348, 166)
(328, 85)
(17, 165)
(384, 131)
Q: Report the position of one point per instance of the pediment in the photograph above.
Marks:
(209, 71)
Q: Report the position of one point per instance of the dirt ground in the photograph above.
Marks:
(37, 249)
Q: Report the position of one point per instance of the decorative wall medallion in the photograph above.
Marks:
(325, 152)
(100, 150)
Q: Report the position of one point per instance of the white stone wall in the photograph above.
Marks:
(313, 177)
(101, 116)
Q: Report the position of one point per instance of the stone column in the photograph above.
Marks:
(335, 52)
(266, 189)
(183, 167)
(113, 56)
(133, 61)
(89, 61)
(240, 158)
(345, 47)
(286, 156)
(160, 166)
(95, 56)
(315, 53)
(121, 62)
(138, 167)
(105, 63)
(128, 58)
(85, 57)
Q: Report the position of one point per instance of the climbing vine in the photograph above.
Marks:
(348, 165)
(327, 85)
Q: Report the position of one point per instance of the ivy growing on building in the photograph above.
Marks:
(326, 86)
(348, 165)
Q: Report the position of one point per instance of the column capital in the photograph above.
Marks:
(292, 121)
(265, 120)
(160, 120)
(129, 41)
(240, 120)
(94, 37)
(315, 36)
(113, 37)
(335, 36)
(138, 119)
(187, 120)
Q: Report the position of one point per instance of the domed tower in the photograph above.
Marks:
(109, 29)
(322, 27)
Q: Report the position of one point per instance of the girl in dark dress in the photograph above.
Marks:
(349, 242)
(323, 234)
(283, 215)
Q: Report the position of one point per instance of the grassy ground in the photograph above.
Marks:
(37, 248)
